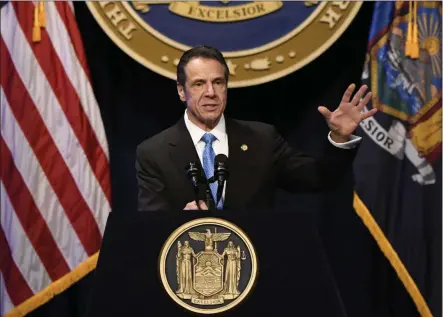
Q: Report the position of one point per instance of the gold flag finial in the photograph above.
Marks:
(409, 32)
(415, 48)
(42, 14)
(36, 33)
(412, 47)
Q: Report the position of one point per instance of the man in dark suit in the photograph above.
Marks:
(259, 158)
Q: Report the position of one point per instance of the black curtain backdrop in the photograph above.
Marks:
(137, 103)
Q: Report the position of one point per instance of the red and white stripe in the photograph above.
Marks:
(54, 181)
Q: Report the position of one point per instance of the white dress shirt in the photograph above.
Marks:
(220, 145)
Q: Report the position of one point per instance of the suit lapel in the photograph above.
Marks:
(182, 151)
(243, 153)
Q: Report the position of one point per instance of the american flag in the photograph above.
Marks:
(55, 180)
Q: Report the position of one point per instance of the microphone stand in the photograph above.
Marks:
(196, 197)
(208, 195)
(192, 172)
(209, 201)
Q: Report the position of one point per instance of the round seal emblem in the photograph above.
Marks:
(262, 41)
(208, 265)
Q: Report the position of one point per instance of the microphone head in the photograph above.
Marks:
(192, 169)
(221, 160)
(221, 173)
(221, 167)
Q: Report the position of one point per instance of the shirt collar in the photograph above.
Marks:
(197, 133)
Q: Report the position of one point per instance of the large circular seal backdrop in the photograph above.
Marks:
(262, 41)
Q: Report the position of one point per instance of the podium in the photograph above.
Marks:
(293, 275)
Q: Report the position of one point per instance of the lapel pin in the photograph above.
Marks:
(244, 147)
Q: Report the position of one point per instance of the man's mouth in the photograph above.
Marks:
(210, 106)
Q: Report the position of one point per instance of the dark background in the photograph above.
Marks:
(137, 103)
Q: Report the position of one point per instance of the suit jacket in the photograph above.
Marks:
(268, 163)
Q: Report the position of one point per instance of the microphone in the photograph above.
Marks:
(221, 174)
(192, 171)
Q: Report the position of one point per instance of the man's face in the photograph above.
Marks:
(205, 91)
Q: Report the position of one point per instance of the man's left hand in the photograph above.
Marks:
(345, 119)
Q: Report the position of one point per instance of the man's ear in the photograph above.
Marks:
(181, 92)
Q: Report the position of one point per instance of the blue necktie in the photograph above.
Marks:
(208, 164)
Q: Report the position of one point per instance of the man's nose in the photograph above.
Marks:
(209, 92)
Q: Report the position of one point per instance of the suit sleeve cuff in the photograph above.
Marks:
(353, 142)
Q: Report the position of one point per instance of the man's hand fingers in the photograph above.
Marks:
(368, 114)
(348, 93)
(193, 205)
(325, 112)
(203, 205)
(364, 101)
(358, 95)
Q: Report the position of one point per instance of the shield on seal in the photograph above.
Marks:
(208, 273)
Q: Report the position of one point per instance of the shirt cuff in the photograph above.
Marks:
(353, 142)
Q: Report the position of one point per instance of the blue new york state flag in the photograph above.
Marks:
(398, 192)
